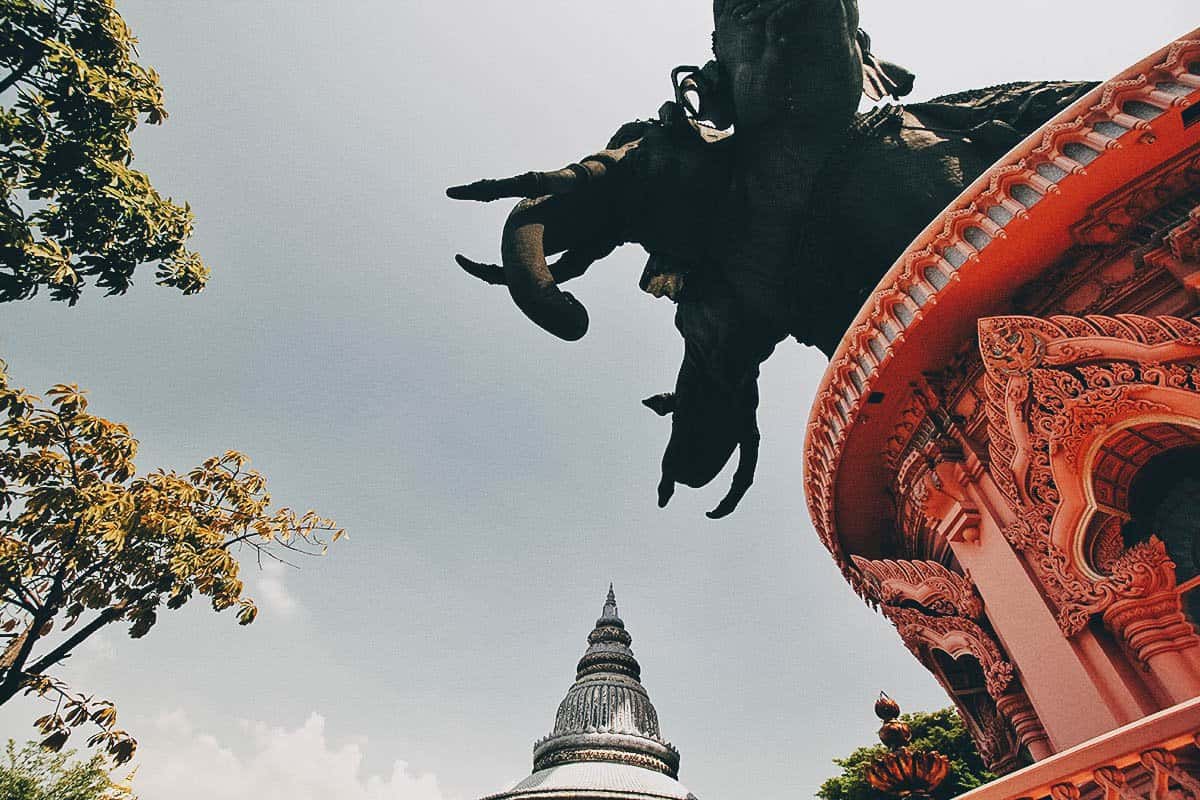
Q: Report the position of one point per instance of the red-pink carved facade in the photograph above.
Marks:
(974, 450)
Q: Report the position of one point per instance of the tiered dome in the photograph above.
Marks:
(607, 714)
(606, 738)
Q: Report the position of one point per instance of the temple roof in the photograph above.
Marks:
(606, 741)
(1057, 190)
(601, 780)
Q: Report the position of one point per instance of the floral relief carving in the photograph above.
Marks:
(1109, 546)
(1054, 384)
(1088, 412)
(1075, 596)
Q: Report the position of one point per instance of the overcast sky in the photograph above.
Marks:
(493, 479)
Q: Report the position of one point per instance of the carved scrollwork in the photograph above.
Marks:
(926, 583)
(1184, 240)
(1112, 781)
(1154, 774)
(1053, 386)
(1009, 348)
(999, 745)
(955, 636)
(1144, 570)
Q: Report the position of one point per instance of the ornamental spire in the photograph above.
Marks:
(607, 715)
(608, 646)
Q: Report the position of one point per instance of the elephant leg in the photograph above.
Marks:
(743, 476)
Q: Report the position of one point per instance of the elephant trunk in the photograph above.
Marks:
(545, 226)
(537, 184)
(714, 407)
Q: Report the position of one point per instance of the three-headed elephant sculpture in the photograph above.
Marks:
(749, 229)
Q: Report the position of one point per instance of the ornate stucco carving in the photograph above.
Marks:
(1057, 387)
(1184, 240)
(1114, 217)
(956, 636)
(926, 583)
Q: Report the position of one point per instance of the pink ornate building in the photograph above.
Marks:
(1004, 455)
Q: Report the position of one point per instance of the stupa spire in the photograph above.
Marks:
(607, 715)
(605, 741)
(608, 645)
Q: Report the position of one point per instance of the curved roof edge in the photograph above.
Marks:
(1110, 132)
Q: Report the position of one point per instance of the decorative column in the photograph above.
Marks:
(949, 508)
(1015, 706)
(1148, 617)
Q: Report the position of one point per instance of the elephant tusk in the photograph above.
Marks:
(571, 265)
(530, 185)
(488, 273)
(530, 280)
(743, 477)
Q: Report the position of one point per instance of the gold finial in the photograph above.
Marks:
(901, 772)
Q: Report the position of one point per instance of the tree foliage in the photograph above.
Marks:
(34, 773)
(85, 544)
(71, 208)
(934, 730)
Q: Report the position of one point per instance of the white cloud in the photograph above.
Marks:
(269, 590)
(176, 762)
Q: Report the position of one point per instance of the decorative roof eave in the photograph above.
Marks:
(1125, 112)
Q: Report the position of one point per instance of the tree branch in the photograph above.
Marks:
(32, 57)
(19, 594)
(36, 50)
(15, 670)
(106, 617)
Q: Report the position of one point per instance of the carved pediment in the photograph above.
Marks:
(925, 583)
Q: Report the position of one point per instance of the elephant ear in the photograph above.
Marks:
(882, 78)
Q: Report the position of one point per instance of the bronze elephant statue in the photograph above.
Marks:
(747, 192)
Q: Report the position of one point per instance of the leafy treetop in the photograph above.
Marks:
(71, 208)
(34, 773)
(85, 544)
(934, 730)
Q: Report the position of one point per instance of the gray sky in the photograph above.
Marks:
(493, 479)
